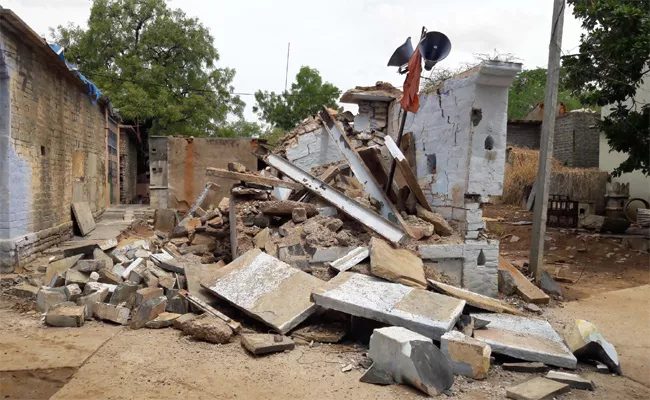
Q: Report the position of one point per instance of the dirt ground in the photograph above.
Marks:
(101, 360)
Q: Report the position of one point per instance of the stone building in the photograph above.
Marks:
(130, 143)
(56, 132)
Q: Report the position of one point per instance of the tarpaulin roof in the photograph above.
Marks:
(93, 91)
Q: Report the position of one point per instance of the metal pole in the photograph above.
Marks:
(393, 164)
(546, 150)
(286, 73)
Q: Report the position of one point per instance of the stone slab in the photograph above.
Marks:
(430, 314)
(195, 272)
(587, 343)
(533, 368)
(267, 289)
(474, 299)
(396, 265)
(352, 258)
(163, 320)
(526, 339)
(60, 266)
(329, 254)
(537, 389)
(66, 317)
(83, 217)
(525, 289)
(261, 343)
(574, 381)
(467, 356)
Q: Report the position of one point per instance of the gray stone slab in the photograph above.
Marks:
(329, 254)
(60, 266)
(574, 381)
(430, 314)
(351, 259)
(537, 389)
(526, 339)
(262, 343)
(83, 217)
(266, 289)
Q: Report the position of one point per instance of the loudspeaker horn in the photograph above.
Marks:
(434, 47)
(402, 54)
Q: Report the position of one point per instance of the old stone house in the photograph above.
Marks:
(58, 144)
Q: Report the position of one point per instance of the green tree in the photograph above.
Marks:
(155, 64)
(613, 58)
(240, 128)
(306, 97)
(528, 90)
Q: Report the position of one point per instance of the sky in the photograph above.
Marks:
(349, 42)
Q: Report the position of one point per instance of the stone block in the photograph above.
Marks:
(75, 277)
(208, 328)
(92, 287)
(411, 358)
(574, 381)
(329, 254)
(98, 254)
(111, 312)
(548, 285)
(164, 320)
(178, 322)
(24, 291)
(441, 226)
(262, 238)
(537, 389)
(587, 343)
(526, 339)
(83, 217)
(66, 316)
(123, 292)
(177, 305)
(60, 266)
(507, 284)
(72, 292)
(148, 311)
(108, 276)
(146, 294)
(430, 314)
(261, 343)
(90, 265)
(47, 297)
(90, 299)
(396, 265)
(467, 356)
(298, 215)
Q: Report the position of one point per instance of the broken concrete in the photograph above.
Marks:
(574, 381)
(92, 287)
(148, 311)
(267, 289)
(261, 343)
(66, 316)
(467, 356)
(507, 284)
(529, 292)
(108, 276)
(474, 299)
(396, 265)
(587, 343)
(111, 312)
(537, 389)
(525, 338)
(352, 258)
(75, 277)
(164, 219)
(468, 324)
(164, 320)
(329, 254)
(533, 368)
(207, 328)
(430, 314)
(411, 358)
(48, 297)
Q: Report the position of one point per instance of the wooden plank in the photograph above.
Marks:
(407, 172)
(474, 299)
(245, 177)
(528, 291)
(234, 325)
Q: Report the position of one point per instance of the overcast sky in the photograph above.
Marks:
(349, 42)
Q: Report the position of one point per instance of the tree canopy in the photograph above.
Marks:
(155, 64)
(306, 97)
(613, 58)
(528, 90)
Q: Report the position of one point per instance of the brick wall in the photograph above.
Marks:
(128, 168)
(525, 134)
(52, 147)
(576, 141)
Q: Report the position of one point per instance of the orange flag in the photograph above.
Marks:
(410, 101)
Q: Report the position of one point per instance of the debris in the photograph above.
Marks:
(428, 313)
(407, 172)
(90, 265)
(195, 272)
(48, 297)
(90, 299)
(177, 305)
(322, 333)
(468, 324)
(178, 322)
(526, 339)
(377, 376)
(164, 220)
(146, 294)
(587, 343)
(352, 258)
(474, 299)
(299, 214)
(574, 381)
(533, 368)
(251, 178)
(127, 272)
(111, 312)
(329, 254)
(147, 311)
(467, 356)
(507, 284)
(347, 368)
(262, 238)
(24, 291)
(514, 239)
(602, 368)
(83, 217)
(266, 288)
(163, 320)
(195, 301)
(396, 265)
(262, 343)
(75, 277)
(532, 308)
(286, 207)
(548, 285)
(60, 266)
(66, 316)
(92, 287)
(108, 276)
(123, 292)
(72, 292)
(411, 358)
(440, 225)
(537, 389)
(207, 328)
(529, 292)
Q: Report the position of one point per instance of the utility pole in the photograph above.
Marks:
(286, 72)
(546, 148)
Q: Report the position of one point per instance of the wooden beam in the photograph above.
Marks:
(260, 180)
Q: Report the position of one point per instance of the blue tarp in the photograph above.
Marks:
(93, 92)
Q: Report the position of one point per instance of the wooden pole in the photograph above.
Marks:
(546, 149)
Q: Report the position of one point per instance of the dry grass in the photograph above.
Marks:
(580, 184)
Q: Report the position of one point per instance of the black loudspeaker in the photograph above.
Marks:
(434, 47)
(402, 54)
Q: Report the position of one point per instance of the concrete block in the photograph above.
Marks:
(430, 314)
(90, 265)
(267, 289)
(261, 343)
(146, 294)
(66, 317)
(148, 311)
(537, 389)
(262, 238)
(525, 338)
(47, 297)
(111, 312)
(90, 299)
(587, 343)
(123, 292)
(164, 320)
(574, 381)
(72, 292)
(411, 358)
(441, 251)
(466, 355)
(396, 265)
(208, 328)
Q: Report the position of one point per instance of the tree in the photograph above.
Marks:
(306, 97)
(155, 64)
(528, 90)
(613, 58)
(240, 129)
